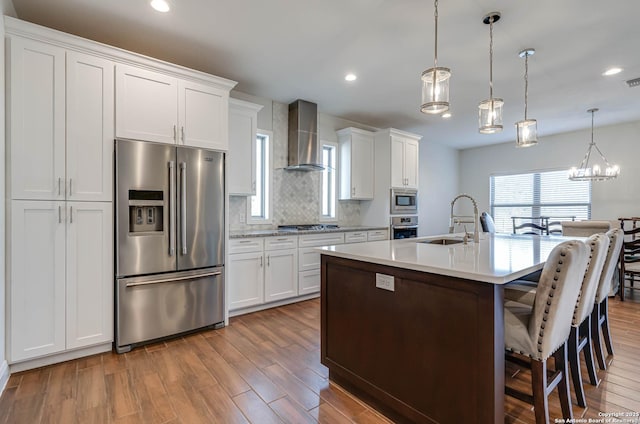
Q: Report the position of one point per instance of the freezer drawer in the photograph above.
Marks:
(157, 306)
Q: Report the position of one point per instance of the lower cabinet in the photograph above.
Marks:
(281, 274)
(309, 259)
(61, 276)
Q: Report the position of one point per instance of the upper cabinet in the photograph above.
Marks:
(60, 123)
(241, 158)
(402, 148)
(154, 106)
(356, 164)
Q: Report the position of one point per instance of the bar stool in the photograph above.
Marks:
(600, 313)
(540, 330)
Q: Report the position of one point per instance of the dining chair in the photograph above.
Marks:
(487, 224)
(630, 256)
(580, 335)
(540, 330)
(600, 313)
(584, 228)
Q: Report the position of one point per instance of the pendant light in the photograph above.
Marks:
(527, 129)
(490, 110)
(435, 82)
(595, 172)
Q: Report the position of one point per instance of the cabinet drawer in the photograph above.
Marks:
(309, 282)
(277, 243)
(321, 239)
(374, 235)
(308, 258)
(355, 237)
(245, 245)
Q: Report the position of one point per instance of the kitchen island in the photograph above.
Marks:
(416, 327)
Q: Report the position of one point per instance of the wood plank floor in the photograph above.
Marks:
(262, 368)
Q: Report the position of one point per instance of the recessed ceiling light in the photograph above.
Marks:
(612, 71)
(446, 115)
(160, 5)
(350, 77)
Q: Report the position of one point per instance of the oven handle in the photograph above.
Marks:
(404, 227)
(170, 280)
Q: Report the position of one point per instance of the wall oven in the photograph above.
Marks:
(404, 227)
(404, 201)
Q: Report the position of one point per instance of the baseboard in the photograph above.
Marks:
(262, 307)
(4, 376)
(60, 357)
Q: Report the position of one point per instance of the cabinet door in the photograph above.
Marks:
(411, 163)
(89, 273)
(241, 158)
(36, 120)
(309, 282)
(203, 116)
(245, 280)
(146, 105)
(90, 97)
(397, 163)
(37, 279)
(361, 167)
(281, 274)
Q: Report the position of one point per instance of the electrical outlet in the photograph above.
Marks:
(385, 282)
(242, 218)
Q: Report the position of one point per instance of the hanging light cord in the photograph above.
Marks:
(491, 59)
(435, 15)
(526, 85)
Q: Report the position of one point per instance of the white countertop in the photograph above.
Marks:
(497, 258)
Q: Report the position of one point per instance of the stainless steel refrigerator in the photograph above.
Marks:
(169, 241)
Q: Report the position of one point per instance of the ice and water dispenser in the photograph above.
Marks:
(146, 209)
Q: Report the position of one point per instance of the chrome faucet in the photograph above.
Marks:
(453, 220)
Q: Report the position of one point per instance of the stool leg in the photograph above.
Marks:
(604, 312)
(595, 335)
(574, 364)
(539, 389)
(585, 331)
(563, 384)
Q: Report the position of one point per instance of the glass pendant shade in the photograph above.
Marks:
(526, 133)
(435, 90)
(490, 116)
(597, 171)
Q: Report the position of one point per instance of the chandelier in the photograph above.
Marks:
(490, 110)
(435, 82)
(527, 129)
(595, 172)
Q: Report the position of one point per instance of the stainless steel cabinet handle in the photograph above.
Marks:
(244, 241)
(353, 191)
(172, 224)
(70, 185)
(70, 214)
(183, 207)
(175, 133)
(253, 186)
(169, 280)
(261, 261)
(59, 214)
(182, 133)
(268, 260)
(59, 181)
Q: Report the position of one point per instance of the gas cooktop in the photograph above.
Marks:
(308, 227)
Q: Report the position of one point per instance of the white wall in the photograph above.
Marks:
(438, 185)
(610, 199)
(7, 9)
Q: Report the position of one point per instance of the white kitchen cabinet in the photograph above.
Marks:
(375, 235)
(153, 106)
(355, 237)
(61, 276)
(309, 281)
(281, 274)
(89, 274)
(241, 158)
(37, 280)
(36, 115)
(356, 164)
(309, 259)
(90, 133)
(404, 159)
(245, 272)
(61, 123)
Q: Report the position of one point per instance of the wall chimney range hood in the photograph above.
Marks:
(304, 149)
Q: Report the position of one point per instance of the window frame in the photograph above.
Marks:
(334, 175)
(268, 181)
(536, 204)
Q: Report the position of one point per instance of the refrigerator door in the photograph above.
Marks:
(145, 208)
(157, 306)
(200, 181)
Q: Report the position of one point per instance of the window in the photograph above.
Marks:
(259, 205)
(545, 193)
(328, 191)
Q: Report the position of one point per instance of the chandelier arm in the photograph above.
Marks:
(601, 155)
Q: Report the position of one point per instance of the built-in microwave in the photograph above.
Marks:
(404, 201)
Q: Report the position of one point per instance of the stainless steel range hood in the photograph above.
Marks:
(304, 150)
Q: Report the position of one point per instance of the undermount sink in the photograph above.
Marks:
(442, 241)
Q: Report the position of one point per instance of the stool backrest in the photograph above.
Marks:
(616, 237)
(598, 245)
(556, 296)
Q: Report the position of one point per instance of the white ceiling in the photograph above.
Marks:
(290, 49)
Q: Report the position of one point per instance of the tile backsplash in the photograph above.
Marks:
(295, 194)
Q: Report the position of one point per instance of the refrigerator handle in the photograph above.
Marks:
(183, 207)
(172, 222)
